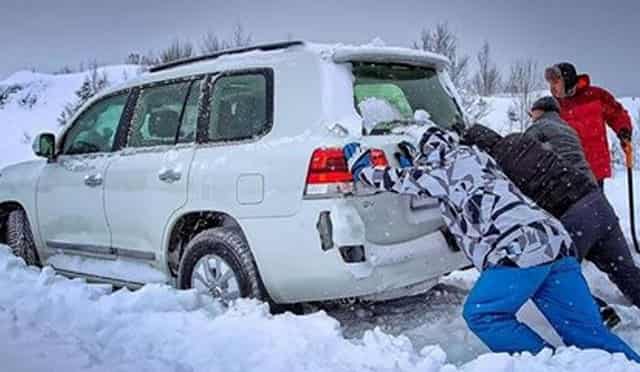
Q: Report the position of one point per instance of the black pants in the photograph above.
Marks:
(596, 232)
(601, 184)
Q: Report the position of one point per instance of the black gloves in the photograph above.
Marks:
(485, 138)
(624, 135)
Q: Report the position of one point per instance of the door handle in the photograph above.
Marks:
(93, 180)
(169, 175)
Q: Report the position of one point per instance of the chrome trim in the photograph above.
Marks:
(99, 279)
(81, 249)
(102, 251)
(138, 255)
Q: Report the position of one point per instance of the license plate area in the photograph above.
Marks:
(391, 218)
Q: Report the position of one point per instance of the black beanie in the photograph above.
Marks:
(569, 75)
(546, 104)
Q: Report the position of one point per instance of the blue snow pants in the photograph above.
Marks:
(559, 291)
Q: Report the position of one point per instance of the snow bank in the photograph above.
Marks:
(48, 320)
(31, 102)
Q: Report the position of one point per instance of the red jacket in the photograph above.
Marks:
(587, 111)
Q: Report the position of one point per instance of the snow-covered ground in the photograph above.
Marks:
(51, 323)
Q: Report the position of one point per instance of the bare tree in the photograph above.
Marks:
(136, 58)
(442, 40)
(175, 51)
(525, 82)
(133, 59)
(486, 81)
(66, 69)
(210, 43)
(240, 37)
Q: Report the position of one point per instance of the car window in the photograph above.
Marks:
(95, 129)
(387, 93)
(156, 118)
(238, 107)
(190, 115)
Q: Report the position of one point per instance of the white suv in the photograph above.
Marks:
(225, 173)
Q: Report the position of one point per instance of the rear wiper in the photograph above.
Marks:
(385, 127)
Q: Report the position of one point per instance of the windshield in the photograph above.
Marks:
(391, 95)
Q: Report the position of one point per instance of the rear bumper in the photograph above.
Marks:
(295, 267)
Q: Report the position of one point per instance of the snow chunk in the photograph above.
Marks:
(376, 110)
(48, 320)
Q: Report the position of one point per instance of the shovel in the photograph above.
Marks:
(628, 151)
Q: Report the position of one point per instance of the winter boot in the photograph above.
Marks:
(609, 317)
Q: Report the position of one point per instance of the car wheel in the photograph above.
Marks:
(20, 238)
(218, 262)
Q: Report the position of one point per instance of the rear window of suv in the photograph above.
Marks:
(388, 94)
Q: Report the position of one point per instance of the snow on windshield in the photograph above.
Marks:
(376, 110)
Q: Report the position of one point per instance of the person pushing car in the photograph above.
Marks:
(521, 251)
(547, 164)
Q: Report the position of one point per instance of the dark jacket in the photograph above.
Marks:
(537, 171)
(491, 220)
(552, 130)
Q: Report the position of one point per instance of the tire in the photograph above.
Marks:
(229, 245)
(20, 238)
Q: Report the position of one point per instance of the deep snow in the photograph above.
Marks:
(49, 322)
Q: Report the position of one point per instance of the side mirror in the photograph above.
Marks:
(44, 145)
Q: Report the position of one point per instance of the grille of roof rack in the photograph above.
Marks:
(262, 47)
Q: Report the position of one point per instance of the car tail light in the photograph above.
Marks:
(329, 174)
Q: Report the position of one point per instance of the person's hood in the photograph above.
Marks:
(584, 82)
(436, 144)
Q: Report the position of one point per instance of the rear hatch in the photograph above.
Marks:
(390, 96)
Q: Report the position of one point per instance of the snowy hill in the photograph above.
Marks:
(30, 103)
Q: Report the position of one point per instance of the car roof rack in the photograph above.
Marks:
(262, 47)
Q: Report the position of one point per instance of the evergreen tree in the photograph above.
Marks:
(93, 83)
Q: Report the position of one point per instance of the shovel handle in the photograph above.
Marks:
(628, 154)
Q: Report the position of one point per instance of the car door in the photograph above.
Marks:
(70, 190)
(147, 180)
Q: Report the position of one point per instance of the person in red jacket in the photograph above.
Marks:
(588, 109)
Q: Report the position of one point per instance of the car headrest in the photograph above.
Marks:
(163, 123)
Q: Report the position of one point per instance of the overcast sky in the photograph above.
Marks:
(600, 37)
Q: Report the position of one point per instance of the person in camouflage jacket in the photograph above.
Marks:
(521, 250)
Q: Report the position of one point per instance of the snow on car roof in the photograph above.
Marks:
(375, 51)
